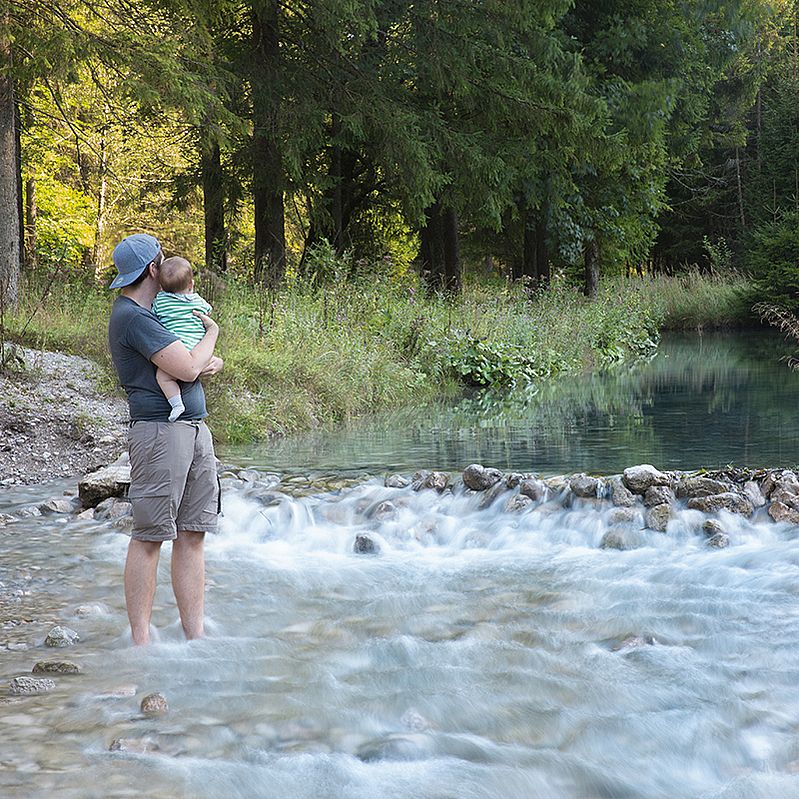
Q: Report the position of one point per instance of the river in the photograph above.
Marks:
(481, 654)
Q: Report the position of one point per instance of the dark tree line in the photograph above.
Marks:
(590, 137)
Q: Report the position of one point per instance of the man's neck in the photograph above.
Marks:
(143, 293)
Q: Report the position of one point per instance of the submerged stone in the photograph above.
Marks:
(718, 541)
(711, 527)
(364, 545)
(56, 667)
(633, 642)
(657, 517)
(154, 704)
(61, 636)
(518, 503)
(435, 480)
(753, 492)
(23, 686)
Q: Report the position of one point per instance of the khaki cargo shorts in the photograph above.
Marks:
(173, 480)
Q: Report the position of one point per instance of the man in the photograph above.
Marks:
(174, 488)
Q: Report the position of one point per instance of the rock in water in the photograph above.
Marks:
(718, 541)
(478, 478)
(639, 478)
(690, 487)
(584, 486)
(22, 686)
(657, 517)
(657, 495)
(711, 527)
(61, 636)
(620, 495)
(56, 667)
(397, 481)
(364, 545)
(437, 480)
(154, 704)
(782, 513)
(730, 501)
(110, 481)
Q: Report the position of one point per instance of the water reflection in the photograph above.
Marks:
(702, 401)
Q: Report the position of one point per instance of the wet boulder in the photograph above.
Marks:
(113, 508)
(658, 495)
(518, 503)
(621, 538)
(780, 512)
(620, 495)
(731, 501)
(396, 481)
(435, 480)
(57, 505)
(478, 478)
(618, 516)
(657, 517)
(769, 483)
(583, 486)
(752, 490)
(639, 478)
(109, 481)
(690, 487)
(711, 527)
(61, 636)
(536, 490)
(365, 545)
(718, 541)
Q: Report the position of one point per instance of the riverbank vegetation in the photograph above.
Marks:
(388, 200)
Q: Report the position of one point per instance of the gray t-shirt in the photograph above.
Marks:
(134, 336)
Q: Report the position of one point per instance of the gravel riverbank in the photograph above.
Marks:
(55, 421)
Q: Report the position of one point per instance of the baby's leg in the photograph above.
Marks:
(171, 391)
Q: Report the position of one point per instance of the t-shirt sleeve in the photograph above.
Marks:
(148, 336)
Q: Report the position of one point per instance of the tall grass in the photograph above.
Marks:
(300, 358)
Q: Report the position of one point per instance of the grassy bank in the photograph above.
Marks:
(298, 359)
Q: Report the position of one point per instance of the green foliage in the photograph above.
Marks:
(773, 260)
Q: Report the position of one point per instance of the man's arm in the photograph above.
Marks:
(187, 366)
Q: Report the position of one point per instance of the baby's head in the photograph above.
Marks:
(176, 275)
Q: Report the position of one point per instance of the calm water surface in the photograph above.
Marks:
(702, 401)
(478, 656)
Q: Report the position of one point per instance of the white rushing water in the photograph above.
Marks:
(482, 653)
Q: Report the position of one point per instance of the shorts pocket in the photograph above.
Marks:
(152, 516)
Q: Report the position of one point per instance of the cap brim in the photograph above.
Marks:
(120, 281)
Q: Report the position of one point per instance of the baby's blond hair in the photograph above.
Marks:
(176, 275)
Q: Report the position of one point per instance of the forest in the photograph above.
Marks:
(344, 158)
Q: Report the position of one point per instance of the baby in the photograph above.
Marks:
(174, 306)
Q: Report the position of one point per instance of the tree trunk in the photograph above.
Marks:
(10, 179)
(431, 251)
(31, 212)
(542, 274)
(452, 255)
(270, 236)
(591, 285)
(102, 194)
(213, 207)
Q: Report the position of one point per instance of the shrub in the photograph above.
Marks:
(773, 260)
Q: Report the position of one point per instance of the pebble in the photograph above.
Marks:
(154, 704)
(61, 636)
(56, 667)
(23, 686)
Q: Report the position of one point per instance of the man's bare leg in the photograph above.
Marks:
(188, 581)
(141, 568)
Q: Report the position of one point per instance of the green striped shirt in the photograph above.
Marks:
(174, 312)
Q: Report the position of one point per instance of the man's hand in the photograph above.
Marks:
(215, 365)
(208, 323)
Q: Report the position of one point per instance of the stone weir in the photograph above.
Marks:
(641, 498)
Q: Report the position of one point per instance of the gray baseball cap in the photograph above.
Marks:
(132, 256)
